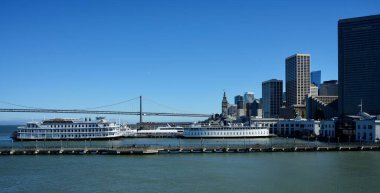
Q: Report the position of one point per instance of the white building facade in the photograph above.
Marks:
(327, 129)
(297, 127)
(368, 130)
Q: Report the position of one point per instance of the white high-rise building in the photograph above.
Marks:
(249, 97)
(297, 79)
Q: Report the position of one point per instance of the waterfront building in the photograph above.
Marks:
(224, 106)
(272, 98)
(249, 97)
(297, 127)
(297, 79)
(329, 88)
(313, 90)
(316, 77)
(345, 128)
(359, 64)
(321, 107)
(327, 131)
(271, 123)
(367, 129)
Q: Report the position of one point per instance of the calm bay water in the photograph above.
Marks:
(250, 172)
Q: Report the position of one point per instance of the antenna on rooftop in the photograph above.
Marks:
(361, 105)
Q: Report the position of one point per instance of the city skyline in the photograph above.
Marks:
(116, 57)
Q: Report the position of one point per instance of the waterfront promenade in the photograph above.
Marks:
(189, 148)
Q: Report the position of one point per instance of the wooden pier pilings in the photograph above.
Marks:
(146, 150)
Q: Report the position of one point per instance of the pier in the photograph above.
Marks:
(209, 148)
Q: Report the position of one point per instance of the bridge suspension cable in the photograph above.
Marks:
(91, 108)
(166, 106)
(22, 106)
(29, 109)
(113, 104)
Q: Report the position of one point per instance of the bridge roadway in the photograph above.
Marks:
(195, 148)
(77, 111)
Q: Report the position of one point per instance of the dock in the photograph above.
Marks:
(209, 148)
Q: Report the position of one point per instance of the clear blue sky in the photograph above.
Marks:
(79, 54)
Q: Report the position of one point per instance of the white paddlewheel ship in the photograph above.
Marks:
(69, 129)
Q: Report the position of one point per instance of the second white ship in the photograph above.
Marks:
(227, 131)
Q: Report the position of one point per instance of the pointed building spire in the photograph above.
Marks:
(224, 105)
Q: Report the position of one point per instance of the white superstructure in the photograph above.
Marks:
(232, 131)
(69, 129)
(161, 132)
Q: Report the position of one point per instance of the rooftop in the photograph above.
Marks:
(356, 19)
(298, 54)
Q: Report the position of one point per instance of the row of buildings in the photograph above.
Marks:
(335, 107)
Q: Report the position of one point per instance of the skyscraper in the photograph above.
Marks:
(359, 64)
(272, 98)
(329, 88)
(249, 97)
(239, 101)
(316, 78)
(297, 73)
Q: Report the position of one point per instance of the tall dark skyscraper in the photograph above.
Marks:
(272, 98)
(359, 64)
(239, 101)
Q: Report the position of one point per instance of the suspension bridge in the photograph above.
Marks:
(141, 113)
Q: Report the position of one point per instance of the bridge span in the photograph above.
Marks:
(78, 111)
